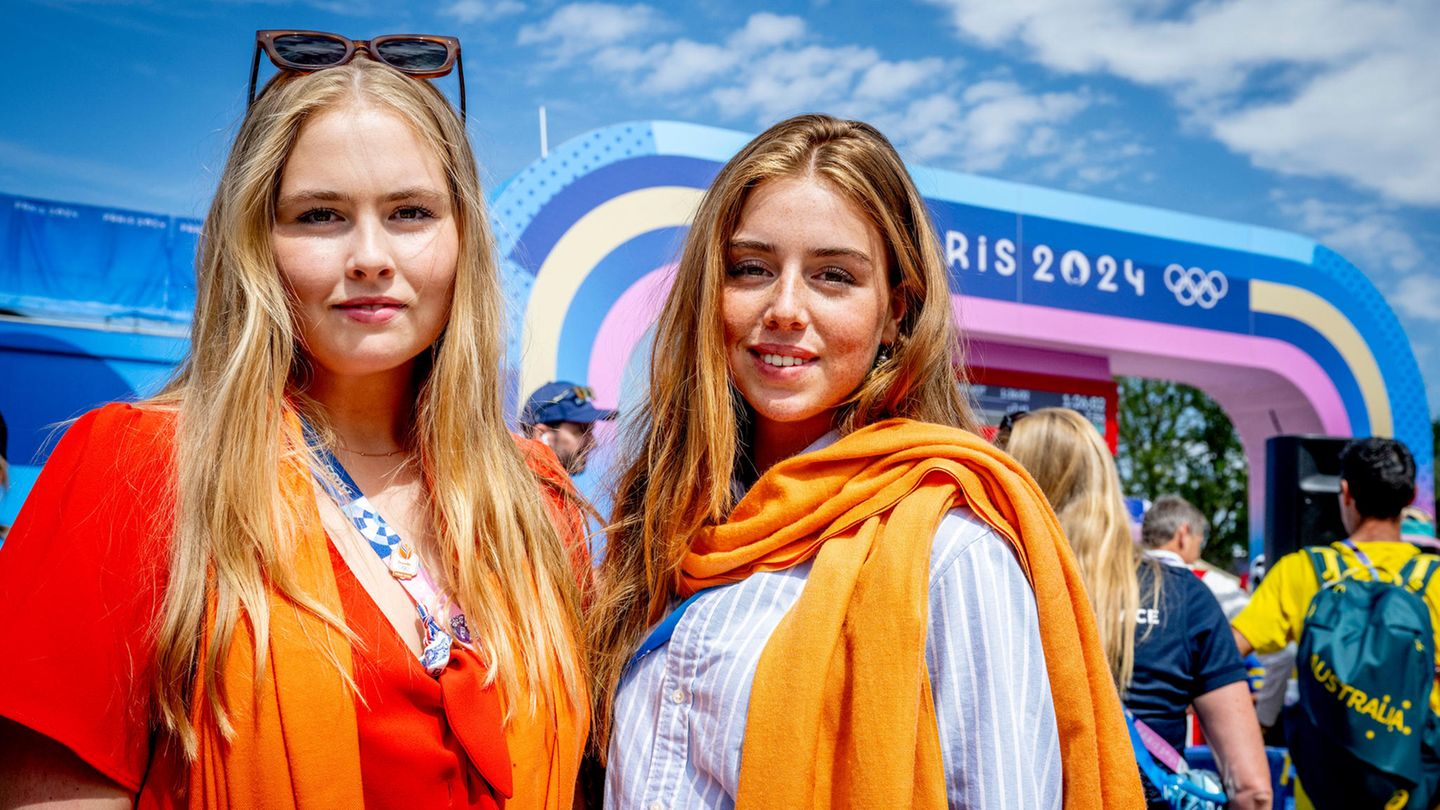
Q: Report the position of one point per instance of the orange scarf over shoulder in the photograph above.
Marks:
(296, 745)
(841, 713)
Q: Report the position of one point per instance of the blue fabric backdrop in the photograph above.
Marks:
(62, 260)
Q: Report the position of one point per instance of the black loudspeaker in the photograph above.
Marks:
(1302, 493)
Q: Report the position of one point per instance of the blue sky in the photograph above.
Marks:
(1315, 116)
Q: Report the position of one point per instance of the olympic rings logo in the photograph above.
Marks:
(1195, 286)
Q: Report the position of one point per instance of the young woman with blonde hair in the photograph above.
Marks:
(822, 590)
(317, 570)
(1184, 654)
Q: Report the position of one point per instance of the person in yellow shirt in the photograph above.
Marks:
(1377, 481)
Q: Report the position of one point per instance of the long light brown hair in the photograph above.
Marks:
(686, 440)
(1073, 466)
(243, 382)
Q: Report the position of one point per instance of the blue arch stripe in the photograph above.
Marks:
(1306, 339)
(1333, 278)
(609, 280)
(598, 187)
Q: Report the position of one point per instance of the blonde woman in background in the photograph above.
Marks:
(316, 571)
(823, 590)
(1165, 637)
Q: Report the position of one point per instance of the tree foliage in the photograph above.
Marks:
(1175, 440)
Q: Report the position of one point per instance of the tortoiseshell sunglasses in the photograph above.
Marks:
(423, 56)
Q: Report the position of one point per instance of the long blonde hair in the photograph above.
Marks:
(685, 443)
(1072, 465)
(233, 539)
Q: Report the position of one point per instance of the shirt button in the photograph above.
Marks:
(679, 697)
(656, 806)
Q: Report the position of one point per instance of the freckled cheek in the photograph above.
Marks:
(740, 316)
(848, 345)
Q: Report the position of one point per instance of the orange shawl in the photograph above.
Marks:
(831, 721)
(556, 735)
(296, 744)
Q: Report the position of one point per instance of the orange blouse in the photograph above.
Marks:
(82, 579)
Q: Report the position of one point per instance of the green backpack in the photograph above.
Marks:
(1363, 735)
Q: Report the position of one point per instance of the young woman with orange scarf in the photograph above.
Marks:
(317, 571)
(823, 590)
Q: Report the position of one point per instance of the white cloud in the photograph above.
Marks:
(789, 81)
(929, 127)
(676, 66)
(1370, 236)
(1374, 124)
(772, 67)
(582, 27)
(1331, 88)
(468, 11)
(1211, 44)
(886, 81)
(990, 123)
(766, 30)
(1002, 113)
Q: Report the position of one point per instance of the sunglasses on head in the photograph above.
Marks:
(579, 393)
(1008, 420)
(420, 55)
(1007, 423)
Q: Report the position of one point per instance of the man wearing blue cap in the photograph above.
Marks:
(562, 415)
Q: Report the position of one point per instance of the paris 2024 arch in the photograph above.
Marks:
(1285, 334)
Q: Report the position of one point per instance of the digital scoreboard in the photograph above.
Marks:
(997, 392)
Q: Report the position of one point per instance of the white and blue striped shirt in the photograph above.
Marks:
(680, 713)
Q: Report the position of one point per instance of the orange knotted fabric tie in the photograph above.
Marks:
(296, 745)
(840, 712)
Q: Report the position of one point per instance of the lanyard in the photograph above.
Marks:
(660, 636)
(1364, 560)
(398, 556)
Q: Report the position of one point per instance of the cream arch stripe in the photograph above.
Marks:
(1322, 316)
(592, 238)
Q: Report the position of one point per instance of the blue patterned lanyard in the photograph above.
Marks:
(402, 561)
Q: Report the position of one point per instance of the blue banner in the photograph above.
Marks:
(67, 261)
(1033, 260)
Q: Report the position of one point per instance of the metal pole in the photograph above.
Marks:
(544, 134)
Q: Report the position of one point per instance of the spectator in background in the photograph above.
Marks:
(1377, 482)
(562, 416)
(1175, 532)
(1167, 641)
(1418, 528)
